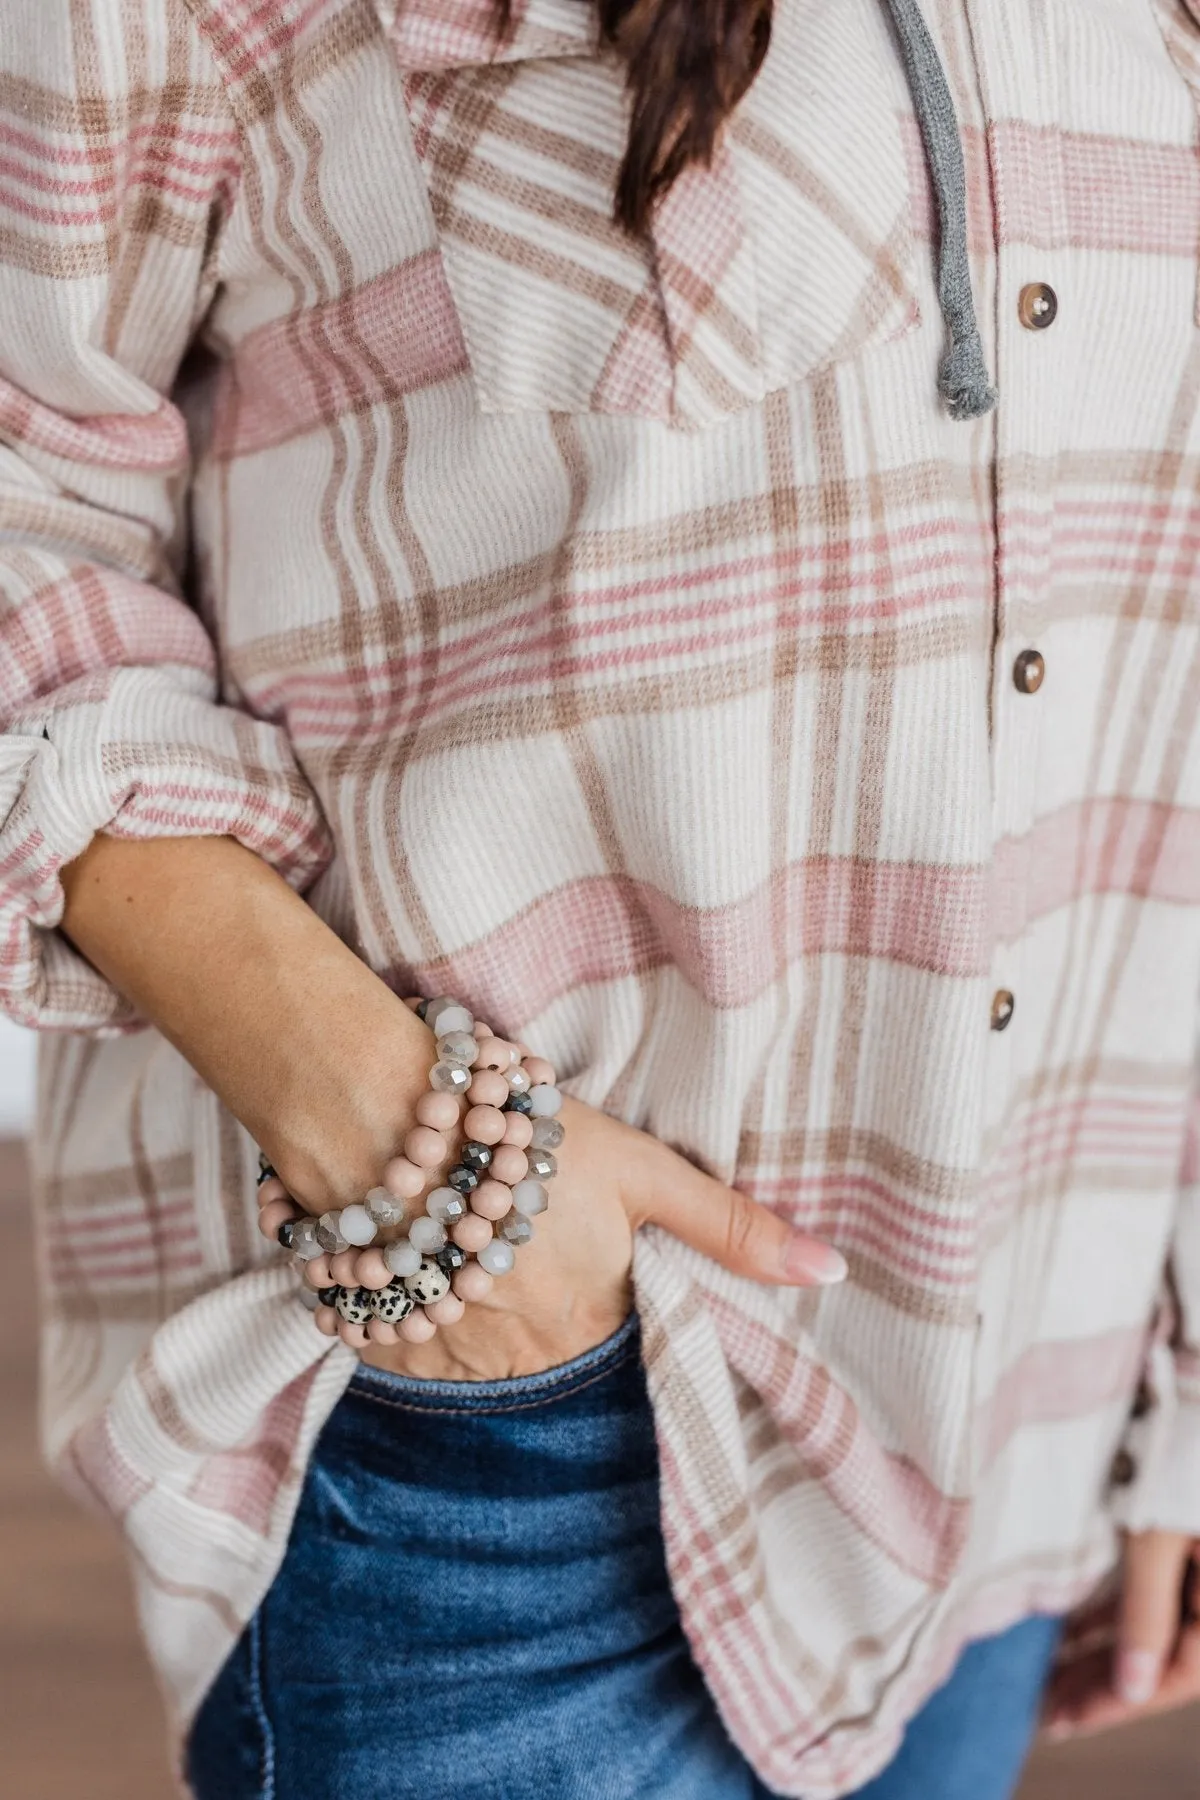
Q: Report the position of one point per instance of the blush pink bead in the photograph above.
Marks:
(271, 1189)
(372, 1271)
(326, 1321)
(472, 1283)
(354, 1335)
(472, 1233)
(482, 1031)
(273, 1216)
(509, 1164)
(404, 1179)
(491, 1200)
(317, 1274)
(425, 1147)
(417, 1329)
(438, 1110)
(494, 1053)
(518, 1131)
(485, 1124)
(447, 1311)
(538, 1069)
(488, 1088)
(380, 1332)
(344, 1268)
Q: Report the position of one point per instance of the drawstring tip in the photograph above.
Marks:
(963, 380)
(974, 403)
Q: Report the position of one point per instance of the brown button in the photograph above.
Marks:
(1143, 1401)
(1037, 306)
(1002, 1008)
(1029, 671)
(1123, 1469)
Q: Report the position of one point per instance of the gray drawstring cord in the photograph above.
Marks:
(963, 378)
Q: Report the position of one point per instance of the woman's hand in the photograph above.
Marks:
(1139, 1654)
(570, 1288)
(324, 1065)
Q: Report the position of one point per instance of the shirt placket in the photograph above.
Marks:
(1015, 59)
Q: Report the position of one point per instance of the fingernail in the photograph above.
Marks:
(817, 1263)
(1137, 1676)
(1058, 1731)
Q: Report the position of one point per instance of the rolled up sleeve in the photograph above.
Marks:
(1162, 1448)
(111, 712)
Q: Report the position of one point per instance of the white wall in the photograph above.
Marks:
(16, 1078)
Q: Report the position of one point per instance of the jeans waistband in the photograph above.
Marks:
(509, 1395)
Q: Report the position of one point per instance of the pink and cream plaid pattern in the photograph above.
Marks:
(352, 463)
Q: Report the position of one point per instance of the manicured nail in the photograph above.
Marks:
(1060, 1730)
(1137, 1676)
(814, 1263)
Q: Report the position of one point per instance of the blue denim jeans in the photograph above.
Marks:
(474, 1605)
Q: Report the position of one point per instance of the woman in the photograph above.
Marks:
(531, 483)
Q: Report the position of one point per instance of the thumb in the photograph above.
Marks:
(744, 1237)
(1155, 1567)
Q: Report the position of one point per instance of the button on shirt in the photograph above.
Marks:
(1037, 306)
(631, 643)
(1003, 1006)
(1029, 671)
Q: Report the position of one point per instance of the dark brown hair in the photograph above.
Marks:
(688, 63)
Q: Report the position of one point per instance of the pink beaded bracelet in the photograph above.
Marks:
(470, 1225)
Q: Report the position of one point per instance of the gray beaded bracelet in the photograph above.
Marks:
(471, 1224)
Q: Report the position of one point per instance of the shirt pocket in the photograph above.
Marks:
(792, 251)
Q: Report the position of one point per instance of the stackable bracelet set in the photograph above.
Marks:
(450, 1237)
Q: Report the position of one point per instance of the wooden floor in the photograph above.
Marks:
(79, 1717)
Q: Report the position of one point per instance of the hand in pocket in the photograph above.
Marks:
(570, 1288)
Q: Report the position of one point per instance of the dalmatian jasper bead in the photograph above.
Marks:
(354, 1304)
(429, 1283)
(392, 1303)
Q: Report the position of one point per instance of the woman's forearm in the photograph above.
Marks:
(306, 1046)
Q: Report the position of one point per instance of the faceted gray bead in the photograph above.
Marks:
(392, 1303)
(329, 1233)
(429, 1283)
(516, 1230)
(447, 1206)
(444, 1016)
(497, 1257)
(304, 1240)
(458, 1047)
(530, 1198)
(548, 1134)
(357, 1226)
(354, 1304)
(542, 1166)
(309, 1299)
(427, 1235)
(434, 1009)
(518, 1080)
(402, 1258)
(384, 1207)
(449, 1078)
